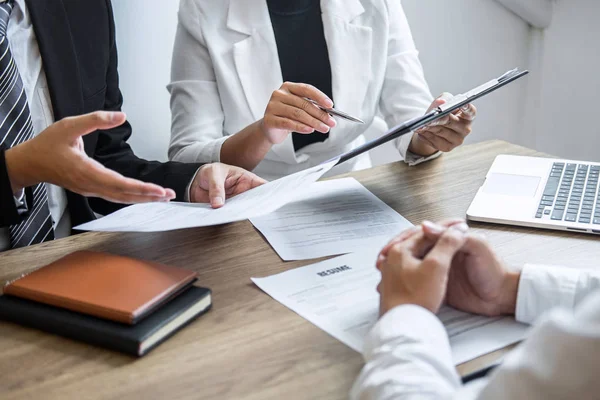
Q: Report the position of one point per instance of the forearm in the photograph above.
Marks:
(406, 361)
(247, 148)
(559, 360)
(542, 288)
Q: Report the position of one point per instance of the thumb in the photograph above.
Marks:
(75, 127)
(436, 103)
(476, 244)
(215, 176)
(447, 246)
(440, 100)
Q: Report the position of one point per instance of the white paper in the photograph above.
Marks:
(156, 217)
(330, 218)
(340, 297)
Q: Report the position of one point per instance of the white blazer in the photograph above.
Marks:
(226, 66)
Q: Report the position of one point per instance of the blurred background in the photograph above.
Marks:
(463, 43)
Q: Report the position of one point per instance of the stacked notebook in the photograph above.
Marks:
(116, 302)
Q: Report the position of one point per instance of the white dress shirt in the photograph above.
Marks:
(26, 53)
(560, 359)
(226, 67)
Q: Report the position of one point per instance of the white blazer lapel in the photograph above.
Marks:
(350, 46)
(257, 61)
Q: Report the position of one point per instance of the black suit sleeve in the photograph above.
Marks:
(113, 152)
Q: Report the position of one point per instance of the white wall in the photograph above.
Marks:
(566, 121)
(145, 35)
(537, 12)
(463, 43)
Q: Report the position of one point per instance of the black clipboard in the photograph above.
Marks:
(455, 104)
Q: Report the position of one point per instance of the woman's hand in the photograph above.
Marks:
(445, 134)
(288, 111)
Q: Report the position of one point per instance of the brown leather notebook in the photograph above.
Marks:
(112, 287)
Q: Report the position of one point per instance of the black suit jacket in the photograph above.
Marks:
(79, 54)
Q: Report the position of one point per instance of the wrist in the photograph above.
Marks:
(261, 141)
(508, 305)
(19, 168)
(192, 187)
(429, 304)
(261, 133)
(419, 148)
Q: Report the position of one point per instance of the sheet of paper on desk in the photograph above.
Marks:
(157, 217)
(330, 218)
(340, 297)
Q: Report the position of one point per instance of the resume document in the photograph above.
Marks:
(340, 297)
(330, 218)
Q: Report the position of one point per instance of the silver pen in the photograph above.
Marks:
(334, 112)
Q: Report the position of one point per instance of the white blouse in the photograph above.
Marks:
(225, 68)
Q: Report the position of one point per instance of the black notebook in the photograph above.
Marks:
(136, 339)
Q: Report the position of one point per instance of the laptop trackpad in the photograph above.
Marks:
(512, 185)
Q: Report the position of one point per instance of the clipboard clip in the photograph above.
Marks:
(508, 75)
(461, 98)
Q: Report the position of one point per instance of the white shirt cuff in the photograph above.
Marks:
(20, 202)
(20, 198)
(542, 288)
(413, 159)
(403, 143)
(188, 194)
(411, 325)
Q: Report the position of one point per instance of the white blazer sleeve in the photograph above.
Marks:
(558, 360)
(407, 360)
(543, 288)
(197, 114)
(405, 94)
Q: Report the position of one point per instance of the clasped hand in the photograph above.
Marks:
(445, 263)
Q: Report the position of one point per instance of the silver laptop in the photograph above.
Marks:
(540, 193)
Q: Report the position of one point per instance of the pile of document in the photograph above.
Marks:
(301, 218)
(304, 219)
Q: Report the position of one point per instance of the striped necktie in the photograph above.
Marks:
(16, 128)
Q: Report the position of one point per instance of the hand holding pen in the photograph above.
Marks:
(298, 107)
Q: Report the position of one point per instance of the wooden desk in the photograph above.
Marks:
(249, 346)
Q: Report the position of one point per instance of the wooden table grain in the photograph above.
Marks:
(249, 346)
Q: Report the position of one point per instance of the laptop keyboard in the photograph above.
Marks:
(571, 194)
